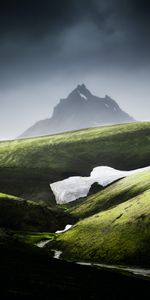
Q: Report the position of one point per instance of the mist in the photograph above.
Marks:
(47, 48)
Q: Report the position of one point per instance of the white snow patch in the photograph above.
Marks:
(67, 227)
(73, 188)
(42, 243)
(106, 105)
(83, 96)
(57, 254)
(105, 175)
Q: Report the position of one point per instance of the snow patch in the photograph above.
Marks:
(83, 96)
(72, 188)
(67, 227)
(105, 175)
(42, 243)
(57, 254)
(76, 187)
(106, 105)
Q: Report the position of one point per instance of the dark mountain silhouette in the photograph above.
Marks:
(80, 109)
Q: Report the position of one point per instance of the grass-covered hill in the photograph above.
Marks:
(28, 166)
(119, 234)
(116, 193)
(24, 215)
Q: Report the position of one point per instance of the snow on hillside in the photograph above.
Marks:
(105, 175)
(72, 188)
(75, 187)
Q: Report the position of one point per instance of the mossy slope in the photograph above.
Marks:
(119, 235)
(28, 166)
(112, 195)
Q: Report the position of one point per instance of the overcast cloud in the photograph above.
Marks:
(48, 47)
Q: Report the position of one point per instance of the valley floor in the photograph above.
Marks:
(28, 273)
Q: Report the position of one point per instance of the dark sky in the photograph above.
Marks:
(48, 47)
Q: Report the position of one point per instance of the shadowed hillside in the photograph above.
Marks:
(19, 214)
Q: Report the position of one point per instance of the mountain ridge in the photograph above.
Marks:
(81, 109)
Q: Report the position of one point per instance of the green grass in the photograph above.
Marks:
(118, 235)
(25, 215)
(32, 237)
(116, 221)
(47, 152)
(28, 166)
(10, 197)
(112, 195)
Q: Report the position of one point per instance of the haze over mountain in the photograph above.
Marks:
(81, 109)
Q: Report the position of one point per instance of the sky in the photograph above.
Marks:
(48, 47)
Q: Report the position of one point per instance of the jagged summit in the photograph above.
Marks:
(81, 91)
(81, 109)
(82, 88)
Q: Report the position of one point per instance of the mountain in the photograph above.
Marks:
(81, 109)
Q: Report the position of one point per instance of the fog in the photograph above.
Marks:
(48, 47)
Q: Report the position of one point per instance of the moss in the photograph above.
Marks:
(119, 235)
(32, 237)
(112, 195)
(11, 197)
(28, 166)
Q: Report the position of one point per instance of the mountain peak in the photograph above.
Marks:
(81, 87)
(108, 97)
(81, 109)
(82, 91)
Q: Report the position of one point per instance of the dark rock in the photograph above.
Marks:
(81, 109)
(95, 188)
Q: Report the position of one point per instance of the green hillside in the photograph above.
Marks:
(19, 214)
(112, 195)
(28, 166)
(118, 235)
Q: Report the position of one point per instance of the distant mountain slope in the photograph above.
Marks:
(27, 167)
(79, 110)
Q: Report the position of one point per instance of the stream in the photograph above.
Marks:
(143, 273)
(135, 271)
